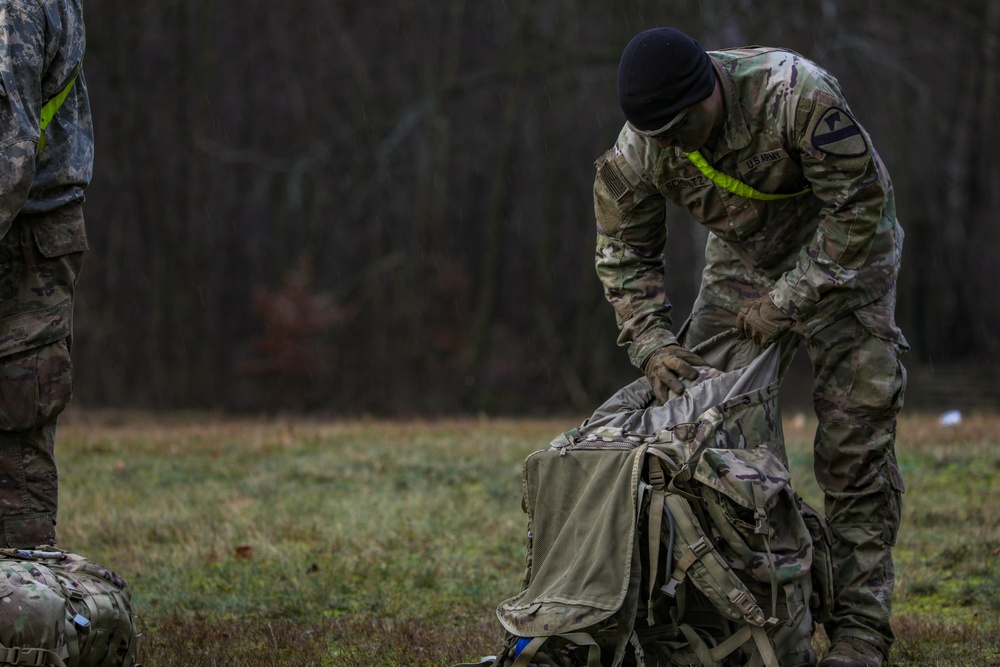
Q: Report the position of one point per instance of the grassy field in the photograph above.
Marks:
(297, 542)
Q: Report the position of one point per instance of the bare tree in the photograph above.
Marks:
(432, 164)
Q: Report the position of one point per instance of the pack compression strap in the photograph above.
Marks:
(50, 109)
(733, 185)
(34, 657)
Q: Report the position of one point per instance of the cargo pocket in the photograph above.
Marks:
(35, 386)
(893, 506)
(61, 232)
(36, 373)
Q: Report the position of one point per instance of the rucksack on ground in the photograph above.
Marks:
(62, 609)
(670, 535)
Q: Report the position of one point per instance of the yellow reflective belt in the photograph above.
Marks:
(50, 109)
(733, 185)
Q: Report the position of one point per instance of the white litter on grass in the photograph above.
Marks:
(951, 418)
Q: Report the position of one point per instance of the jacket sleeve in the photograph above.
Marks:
(631, 234)
(842, 169)
(22, 38)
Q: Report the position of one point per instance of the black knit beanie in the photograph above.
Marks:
(662, 71)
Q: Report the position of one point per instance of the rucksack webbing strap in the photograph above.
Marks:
(677, 472)
(528, 652)
(33, 657)
(695, 552)
(764, 648)
(640, 655)
(656, 507)
(785, 631)
(724, 580)
(699, 646)
(578, 638)
(712, 657)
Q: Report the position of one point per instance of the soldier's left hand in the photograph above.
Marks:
(762, 321)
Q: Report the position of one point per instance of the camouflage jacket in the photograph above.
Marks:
(40, 53)
(819, 255)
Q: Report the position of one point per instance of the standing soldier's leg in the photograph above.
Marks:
(40, 260)
(29, 487)
(858, 384)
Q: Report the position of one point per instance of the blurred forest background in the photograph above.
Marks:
(385, 207)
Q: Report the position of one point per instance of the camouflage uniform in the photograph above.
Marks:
(42, 240)
(829, 258)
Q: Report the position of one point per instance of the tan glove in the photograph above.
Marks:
(762, 321)
(666, 366)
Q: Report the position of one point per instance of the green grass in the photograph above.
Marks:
(295, 542)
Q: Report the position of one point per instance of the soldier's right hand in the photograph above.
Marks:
(667, 366)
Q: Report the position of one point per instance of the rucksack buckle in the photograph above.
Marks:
(33, 657)
(700, 548)
(761, 527)
(746, 604)
(697, 551)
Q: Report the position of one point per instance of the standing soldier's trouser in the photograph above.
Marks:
(858, 384)
(40, 260)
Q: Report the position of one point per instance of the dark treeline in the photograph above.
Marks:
(386, 207)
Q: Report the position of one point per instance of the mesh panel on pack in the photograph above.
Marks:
(588, 526)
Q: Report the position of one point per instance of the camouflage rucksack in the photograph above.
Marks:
(59, 608)
(670, 535)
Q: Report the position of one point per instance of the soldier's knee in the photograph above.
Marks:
(880, 377)
(878, 389)
(859, 371)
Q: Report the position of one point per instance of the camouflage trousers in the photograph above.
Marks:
(40, 260)
(858, 386)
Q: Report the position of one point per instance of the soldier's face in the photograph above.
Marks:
(692, 133)
(697, 125)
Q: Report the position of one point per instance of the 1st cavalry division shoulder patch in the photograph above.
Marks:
(836, 133)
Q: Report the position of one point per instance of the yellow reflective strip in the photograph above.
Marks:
(50, 109)
(729, 183)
